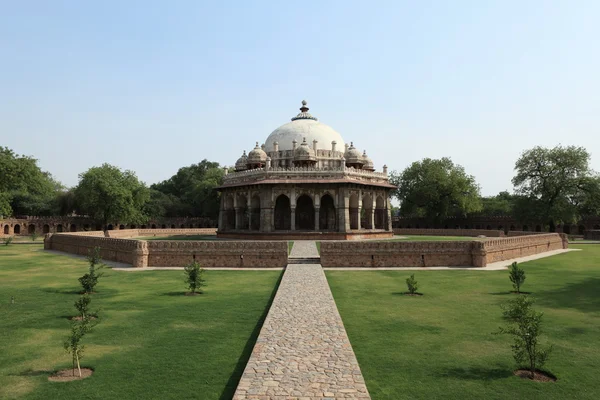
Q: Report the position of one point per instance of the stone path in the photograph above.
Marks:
(303, 351)
(304, 249)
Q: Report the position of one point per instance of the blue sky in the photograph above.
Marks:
(154, 86)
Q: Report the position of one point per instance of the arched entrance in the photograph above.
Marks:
(46, 228)
(17, 229)
(6, 229)
(305, 213)
(73, 228)
(380, 213)
(366, 215)
(242, 212)
(283, 213)
(354, 212)
(59, 228)
(327, 216)
(255, 213)
(31, 229)
(229, 217)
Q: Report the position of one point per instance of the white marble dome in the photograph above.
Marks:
(304, 126)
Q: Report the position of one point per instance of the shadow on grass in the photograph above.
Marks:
(60, 291)
(476, 374)
(584, 296)
(233, 381)
(511, 292)
(174, 294)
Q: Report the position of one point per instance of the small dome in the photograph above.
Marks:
(353, 155)
(240, 164)
(257, 156)
(304, 153)
(368, 163)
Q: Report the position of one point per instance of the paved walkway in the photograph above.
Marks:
(304, 249)
(303, 351)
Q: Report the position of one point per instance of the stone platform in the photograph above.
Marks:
(306, 235)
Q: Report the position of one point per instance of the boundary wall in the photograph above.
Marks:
(448, 232)
(173, 253)
(474, 253)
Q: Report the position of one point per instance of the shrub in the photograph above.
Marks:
(34, 236)
(194, 277)
(90, 280)
(7, 240)
(524, 325)
(412, 284)
(517, 276)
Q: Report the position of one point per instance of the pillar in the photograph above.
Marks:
(293, 216)
(359, 209)
(221, 222)
(249, 208)
(388, 224)
(317, 218)
(238, 219)
(373, 214)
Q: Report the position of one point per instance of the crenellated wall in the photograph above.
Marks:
(474, 253)
(449, 232)
(172, 253)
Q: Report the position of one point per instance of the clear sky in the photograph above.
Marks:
(153, 86)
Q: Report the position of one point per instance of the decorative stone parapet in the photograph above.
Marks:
(448, 232)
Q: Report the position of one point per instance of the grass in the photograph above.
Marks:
(152, 342)
(441, 345)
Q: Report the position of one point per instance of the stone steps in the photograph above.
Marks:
(304, 260)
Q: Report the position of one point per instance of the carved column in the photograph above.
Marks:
(388, 223)
(359, 209)
(249, 210)
(317, 218)
(373, 212)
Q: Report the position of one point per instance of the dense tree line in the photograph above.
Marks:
(107, 193)
(553, 186)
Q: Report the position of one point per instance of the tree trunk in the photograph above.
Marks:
(552, 227)
(78, 366)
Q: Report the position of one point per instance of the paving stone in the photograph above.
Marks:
(303, 350)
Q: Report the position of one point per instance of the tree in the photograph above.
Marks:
(194, 277)
(436, 189)
(106, 194)
(90, 280)
(24, 187)
(73, 343)
(82, 305)
(412, 284)
(524, 325)
(190, 192)
(501, 205)
(517, 276)
(557, 184)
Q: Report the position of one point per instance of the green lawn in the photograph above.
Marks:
(152, 342)
(441, 345)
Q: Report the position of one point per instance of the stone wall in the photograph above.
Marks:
(131, 233)
(120, 250)
(402, 254)
(172, 253)
(592, 235)
(448, 232)
(475, 253)
(217, 254)
(513, 247)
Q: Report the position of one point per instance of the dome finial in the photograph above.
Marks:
(304, 112)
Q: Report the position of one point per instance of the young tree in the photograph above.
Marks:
(556, 184)
(412, 284)
(436, 189)
(82, 305)
(524, 325)
(90, 280)
(108, 194)
(194, 277)
(73, 343)
(517, 276)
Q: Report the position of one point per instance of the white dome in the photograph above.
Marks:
(304, 126)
